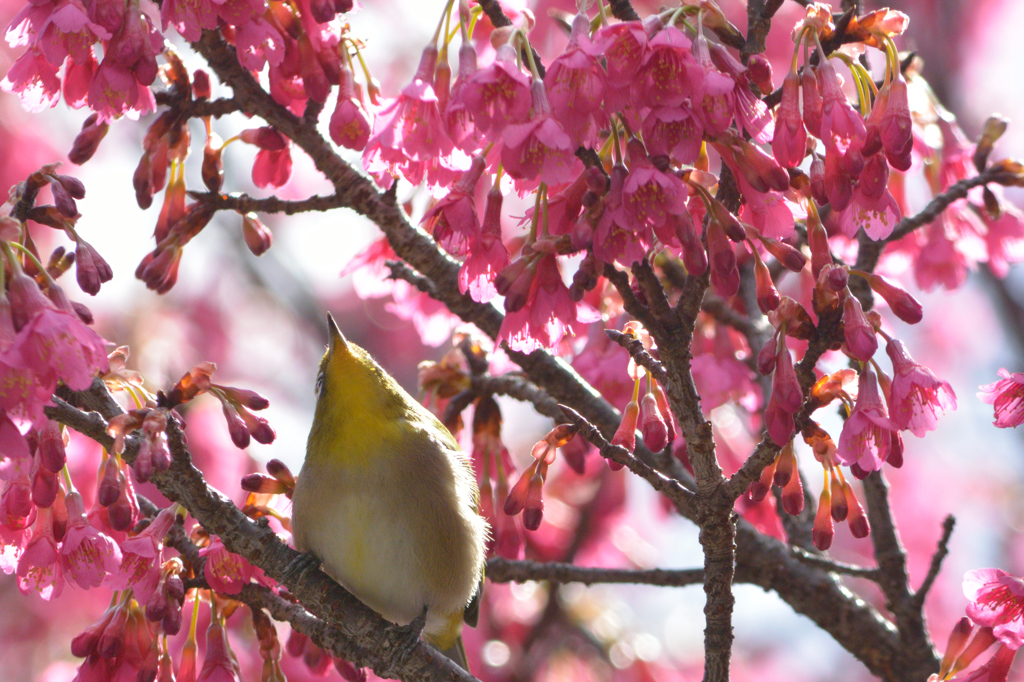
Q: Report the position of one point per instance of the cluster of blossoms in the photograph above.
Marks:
(995, 614)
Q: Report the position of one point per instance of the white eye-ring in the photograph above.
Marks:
(319, 384)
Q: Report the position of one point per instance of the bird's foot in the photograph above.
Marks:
(301, 565)
(409, 636)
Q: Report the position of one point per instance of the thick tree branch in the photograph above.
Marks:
(894, 580)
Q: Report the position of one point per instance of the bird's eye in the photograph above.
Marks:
(319, 384)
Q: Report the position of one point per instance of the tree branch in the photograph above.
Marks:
(359, 635)
(502, 570)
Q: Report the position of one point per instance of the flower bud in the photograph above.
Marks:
(625, 435)
(840, 508)
(655, 433)
(767, 295)
(958, 637)
(759, 489)
(860, 335)
(51, 447)
(213, 166)
(903, 305)
(812, 102)
(823, 530)
(857, 520)
(109, 489)
(201, 84)
(88, 140)
(760, 71)
(257, 237)
(793, 493)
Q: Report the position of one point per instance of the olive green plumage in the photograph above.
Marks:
(387, 500)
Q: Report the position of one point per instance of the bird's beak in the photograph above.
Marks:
(336, 340)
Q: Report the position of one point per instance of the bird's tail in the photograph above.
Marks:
(457, 653)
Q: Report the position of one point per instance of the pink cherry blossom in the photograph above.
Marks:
(258, 43)
(666, 76)
(349, 126)
(1007, 396)
(674, 132)
(650, 195)
(790, 142)
(39, 566)
(866, 438)
(997, 602)
(713, 91)
(58, 346)
(487, 253)
(547, 314)
(453, 220)
(842, 128)
(616, 238)
(140, 558)
(623, 46)
(574, 84)
(34, 79)
(497, 95)
(86, 554)
(539, 150)
(224, 571)
(917, 397)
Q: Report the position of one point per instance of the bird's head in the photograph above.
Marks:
(349, 379)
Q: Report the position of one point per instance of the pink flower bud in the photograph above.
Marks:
(91, 269)
(785, 466)
(516, 500)
(812, 102)
(88, 140)
(725, 276)
(793, 494)
(236, 427)
(823, 530)
(857, 520)
(258, 483)
(201, 84)
(860, 335)
(84, 644)
(625, 435)
(789, 145)
(45, 485)
(257, 237)
(759, 489)
(533, 510)
(51, 447)
(212, 170)
(655, 433)
(958, 637)
(840, 507)
(789, 257)
(109, 488)
(258, 427)
(767, 295)
(760, 71)
(905, 306)
(767, 355)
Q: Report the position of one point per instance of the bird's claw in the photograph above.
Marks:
(409, 636)
(301, 565)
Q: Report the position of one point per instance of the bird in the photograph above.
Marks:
(387, 501)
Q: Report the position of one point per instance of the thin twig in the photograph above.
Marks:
(243, 203)
(682, 498)
(502, 570)
(833, 566)
(936, 564)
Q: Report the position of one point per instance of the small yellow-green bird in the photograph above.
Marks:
(387, 500)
